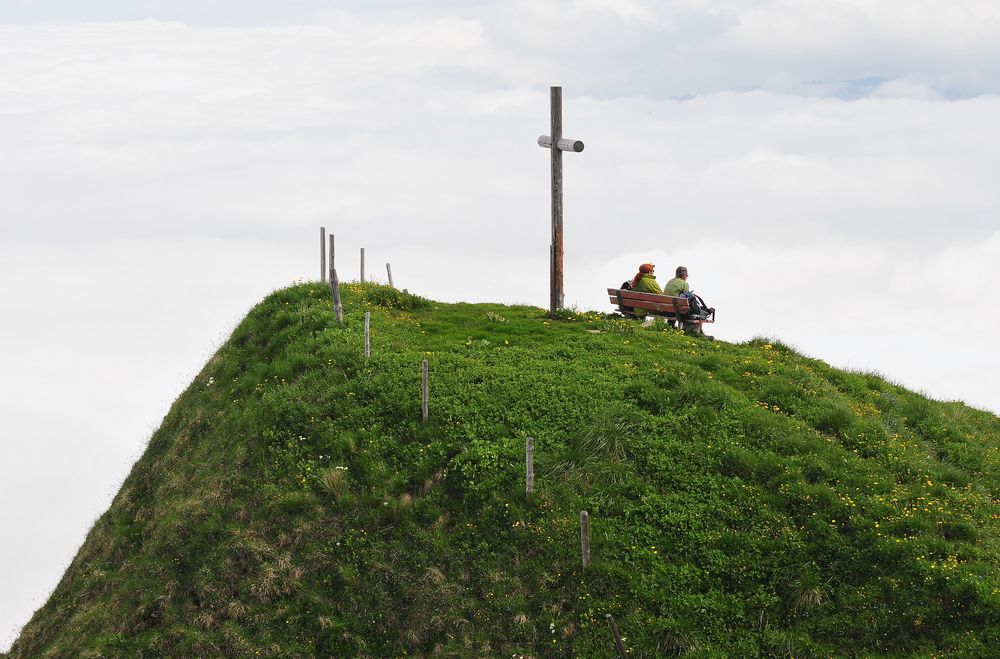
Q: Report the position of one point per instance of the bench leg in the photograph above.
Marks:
(691, 328)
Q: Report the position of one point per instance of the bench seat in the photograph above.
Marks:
(666, 306)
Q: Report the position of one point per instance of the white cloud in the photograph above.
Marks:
(625, 10)
(613, 47)
(902, 88)
(169, 129)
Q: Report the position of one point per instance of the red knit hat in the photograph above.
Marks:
(646, 268)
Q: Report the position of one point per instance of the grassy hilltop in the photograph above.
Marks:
(744, 500)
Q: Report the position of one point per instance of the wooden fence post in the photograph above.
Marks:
(424, 392)
(362, 265)
(368, 345)
(585, 537)
(322, 253)
(388, 269)
(529, 465)
(618, 637)
(335, 289)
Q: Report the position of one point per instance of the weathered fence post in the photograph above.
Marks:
(529, 465)
(388, 269)
(585, 536)
(362, 265)
(368, 345)
(322, 253)
(424, 392)
(618, 637)
(335, 289)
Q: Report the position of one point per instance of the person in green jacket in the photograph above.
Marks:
(678, 285)
(645, 282)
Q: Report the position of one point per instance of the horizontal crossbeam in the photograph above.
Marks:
(575, 146)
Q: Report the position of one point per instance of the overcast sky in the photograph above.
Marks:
(826, 169)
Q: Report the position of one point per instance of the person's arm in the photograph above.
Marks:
(653, 286)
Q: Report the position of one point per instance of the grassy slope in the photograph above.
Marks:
(744, 500)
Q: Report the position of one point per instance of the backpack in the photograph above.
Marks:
(626, 285)
(700, 309)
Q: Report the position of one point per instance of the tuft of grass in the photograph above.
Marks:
(335, 481)
(806, 592)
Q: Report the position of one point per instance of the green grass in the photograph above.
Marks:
(744, 500)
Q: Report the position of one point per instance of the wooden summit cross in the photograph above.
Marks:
(556, 144)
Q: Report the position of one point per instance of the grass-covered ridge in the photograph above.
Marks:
(744, 500)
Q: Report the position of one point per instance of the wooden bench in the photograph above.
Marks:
(666, 306)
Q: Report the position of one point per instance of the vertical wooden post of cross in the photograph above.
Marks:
(322, 253)
(556, 276)
(388, 271)
(585, 537)
(556, 145)
(362, 265)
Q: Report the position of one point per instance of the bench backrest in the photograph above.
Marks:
(661, 304)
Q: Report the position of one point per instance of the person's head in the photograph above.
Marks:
(682, 272)
(644, 269)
